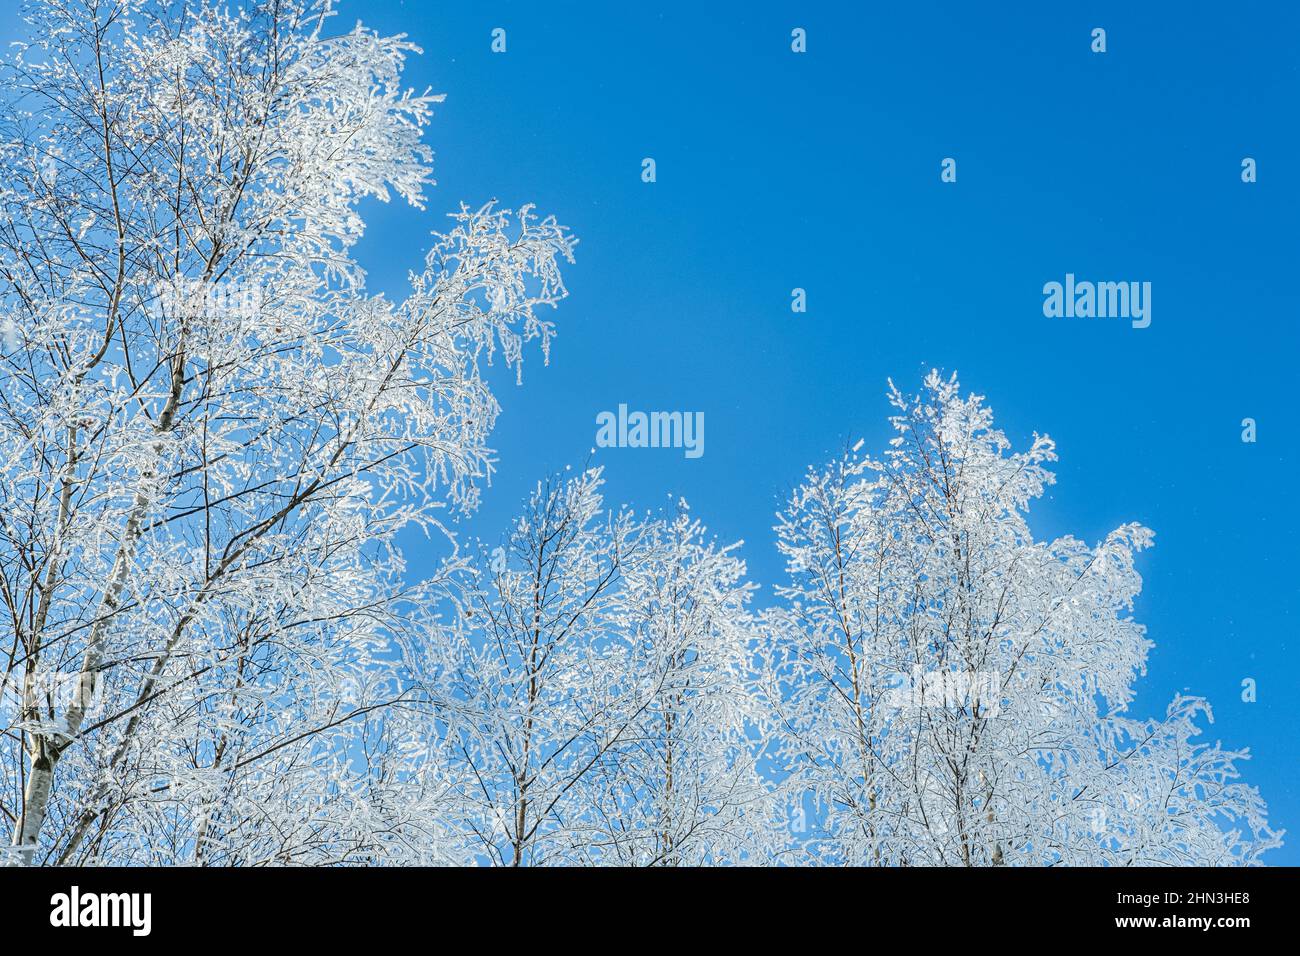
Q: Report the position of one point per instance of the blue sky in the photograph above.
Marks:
(822, 171)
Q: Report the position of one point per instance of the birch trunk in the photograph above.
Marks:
(46, 748)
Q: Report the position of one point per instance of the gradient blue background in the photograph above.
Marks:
(821, 171)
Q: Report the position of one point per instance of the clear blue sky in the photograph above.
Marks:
(821, 171)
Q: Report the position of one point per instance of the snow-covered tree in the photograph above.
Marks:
(603, 714)
(688, 791)
(947, 690)
(210, 433)
(212, 437)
